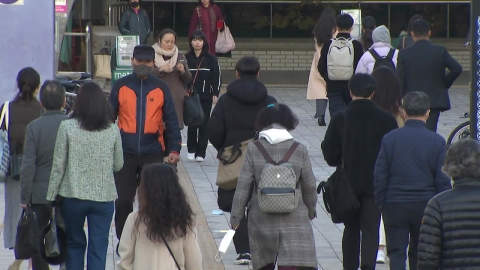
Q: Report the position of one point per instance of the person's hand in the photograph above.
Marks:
(166, 68)
(214, 100)
(235, 227)
(24, 206)
(173, 158)
(181, 68)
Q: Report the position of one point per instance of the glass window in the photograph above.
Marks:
(436, 14)
(459, 20)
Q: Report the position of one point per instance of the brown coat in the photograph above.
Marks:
(177, 83)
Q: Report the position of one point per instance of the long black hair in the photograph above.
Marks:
(388, 95)
(91, 108)
(198, 34)
(163, 206)
(368, 24)
(325, 27)
(28, 81)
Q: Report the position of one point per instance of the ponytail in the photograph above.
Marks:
(28, 81)
(367, 39)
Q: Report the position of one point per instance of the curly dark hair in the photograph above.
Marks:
(276, 114)
(163, 206)
(463, 160)
(388, 95)
(325, 27)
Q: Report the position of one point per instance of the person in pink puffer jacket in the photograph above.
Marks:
(381, 45)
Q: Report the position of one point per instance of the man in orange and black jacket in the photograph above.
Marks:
(147, 119)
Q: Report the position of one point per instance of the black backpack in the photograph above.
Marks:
(383, 61)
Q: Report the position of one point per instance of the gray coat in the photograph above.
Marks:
(288, 235)
(39, 146)
(132, 23)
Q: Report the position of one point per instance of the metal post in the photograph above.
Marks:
(475, 70)
(271, 20)
(389, 19)
(153, 17)
(174, 17)
(88, 49)
(448, 20)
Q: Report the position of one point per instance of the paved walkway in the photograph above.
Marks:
(202, 189)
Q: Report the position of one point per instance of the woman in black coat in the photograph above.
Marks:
(206, 82)
(233, 121)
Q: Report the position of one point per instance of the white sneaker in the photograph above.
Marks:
(381, 257)
(199, 159)
(191, 156)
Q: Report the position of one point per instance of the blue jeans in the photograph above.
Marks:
(337, 101)
(99, 216)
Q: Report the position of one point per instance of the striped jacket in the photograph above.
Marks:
(208, 81)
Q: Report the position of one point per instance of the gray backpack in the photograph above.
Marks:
(277, 190)
(340, 59)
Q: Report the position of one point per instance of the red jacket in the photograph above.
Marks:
(206, 19)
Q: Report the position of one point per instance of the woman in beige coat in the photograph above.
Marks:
(164, 221)
(317, 89)
(171, 66)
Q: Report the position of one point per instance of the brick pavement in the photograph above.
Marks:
(202, 184)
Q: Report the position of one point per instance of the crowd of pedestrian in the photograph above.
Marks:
(384, 105)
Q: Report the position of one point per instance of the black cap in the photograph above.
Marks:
(144, 52)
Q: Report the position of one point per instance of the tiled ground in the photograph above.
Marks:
(327, 235)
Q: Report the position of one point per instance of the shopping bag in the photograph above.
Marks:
(225, 42)
(102, 66)
(192, 110)
(230, 164)
(26, 243)
(4, 145)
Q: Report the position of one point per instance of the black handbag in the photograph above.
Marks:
(28, 232)
(192, 108)
(16, 161)
(52, 247)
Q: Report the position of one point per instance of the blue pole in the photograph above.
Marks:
(475, 70)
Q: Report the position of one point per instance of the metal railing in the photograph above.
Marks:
(115, 13)
(88, 45)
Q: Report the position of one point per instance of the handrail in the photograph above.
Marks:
(115, 12)
(88, 45)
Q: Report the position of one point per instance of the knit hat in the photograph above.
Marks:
(381, 34)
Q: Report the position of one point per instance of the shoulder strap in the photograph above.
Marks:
(390, 54)
(289, 152)
(374, 54)
(171, 253)
(5, 115)
(264, 152)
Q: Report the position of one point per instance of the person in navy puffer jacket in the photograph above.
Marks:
(408, 173)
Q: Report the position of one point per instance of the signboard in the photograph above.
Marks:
(357, 21)
(11, 2)
(60, 6)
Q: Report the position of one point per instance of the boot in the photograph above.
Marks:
(15, 265)
(321, 121)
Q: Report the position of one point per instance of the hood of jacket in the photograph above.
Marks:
(247, 90)
(381, 34)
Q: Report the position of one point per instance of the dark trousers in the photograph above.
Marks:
(197, 141)
(367, 222)
(432, 120)
(127, 181)
(43, 214)
(99, 216)
(402, 228)
(337, 101)
(240, 239)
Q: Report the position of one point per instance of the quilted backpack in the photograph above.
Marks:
(277, 190)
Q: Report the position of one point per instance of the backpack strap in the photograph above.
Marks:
(264, 153)
(390, 54)
(375, 55)
(289, 153)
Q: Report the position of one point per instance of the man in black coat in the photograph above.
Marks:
(337, 90)
(354, 137)
(421, 67)
(408, 173)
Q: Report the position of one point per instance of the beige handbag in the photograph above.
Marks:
(102, 66)
(230, 165)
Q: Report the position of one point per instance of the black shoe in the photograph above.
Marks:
(117, 250)
(243, 259)
(321, 121)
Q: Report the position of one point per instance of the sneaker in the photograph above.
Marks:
(243, 259)
(199, 159)
(381, 257)
(191, 156)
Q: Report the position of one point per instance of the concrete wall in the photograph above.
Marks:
(302, 60)
(27, 35)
